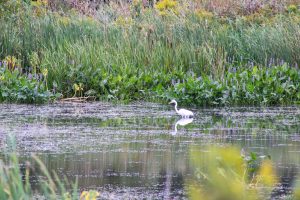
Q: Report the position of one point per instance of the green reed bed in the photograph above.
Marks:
(150, 55)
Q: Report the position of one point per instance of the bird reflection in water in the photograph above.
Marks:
(181, 122)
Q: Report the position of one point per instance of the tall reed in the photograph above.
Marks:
(102, 55)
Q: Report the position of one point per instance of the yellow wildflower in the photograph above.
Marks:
(166, 6)
(266, 174)
(89, 195)
(76, 87)
(80, 87)
(45, 72)
(11, 62)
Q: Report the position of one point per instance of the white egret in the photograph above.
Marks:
(182, 112)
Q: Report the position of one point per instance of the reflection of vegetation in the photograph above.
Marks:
(221, 173)
(250, 124)
(118, 122)
(210, 123)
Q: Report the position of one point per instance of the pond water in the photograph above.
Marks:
(134, 151)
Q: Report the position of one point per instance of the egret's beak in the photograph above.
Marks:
(170, 102)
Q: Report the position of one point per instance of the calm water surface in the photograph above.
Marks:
(142, 150)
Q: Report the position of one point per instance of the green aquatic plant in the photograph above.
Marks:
(17, 87)
(254, 86)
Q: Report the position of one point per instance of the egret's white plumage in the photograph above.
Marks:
(182, 112)
(181, 122)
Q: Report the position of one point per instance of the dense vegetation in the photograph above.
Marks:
(202, 53)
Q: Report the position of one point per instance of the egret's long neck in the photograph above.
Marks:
(176, 107)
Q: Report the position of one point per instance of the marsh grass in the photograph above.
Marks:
(15, 183)
(130, 57)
